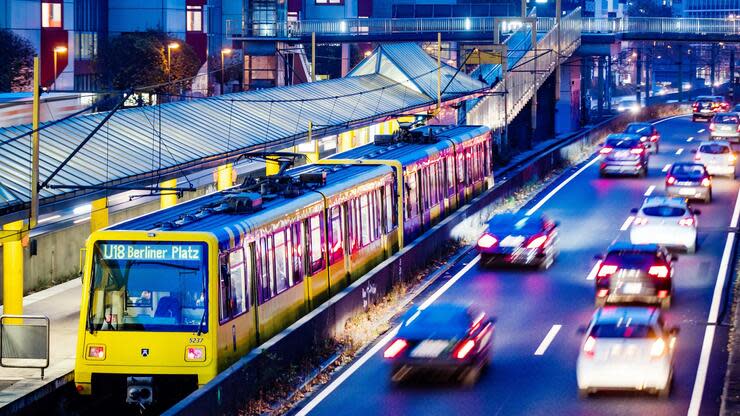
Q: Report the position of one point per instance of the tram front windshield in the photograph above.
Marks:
(150, 286)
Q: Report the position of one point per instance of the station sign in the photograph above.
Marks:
(161, 252)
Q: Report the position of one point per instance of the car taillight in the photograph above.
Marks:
(607, 270)
(96, 352)
(654, 138)
(696, 106)
(658, 348)
(637, 151)
(706, 182)
(711, 126)
(605, 150)
(658, 271)
(670, 180)
(537, 242)
(487, 241)
(395, 348)
(731, 157)
(640, 221)
(464, 349)
(195, 353)
(602, 293)
(589, 346)
(697, 156)
(686, 222)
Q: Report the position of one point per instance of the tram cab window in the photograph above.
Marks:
(153, 286)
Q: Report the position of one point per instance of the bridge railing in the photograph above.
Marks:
(661, 25)
(506, 99)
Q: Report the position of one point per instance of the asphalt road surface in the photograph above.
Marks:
(531, 376)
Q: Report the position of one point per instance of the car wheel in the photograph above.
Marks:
(708, 199)
(691, 249)
(601, 174)
(398, 373)
(657, 148)
(583, 393)
(471, 375)
(664, 393)
(693, 118)
(643, 172)
(599, 302)
(547, 262)
(665, 303)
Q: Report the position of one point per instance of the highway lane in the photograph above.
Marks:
(529, 303)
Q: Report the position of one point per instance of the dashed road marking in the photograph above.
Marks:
(679, 151)
(627, 223)
(666, 167)
(548, 339)
(650, 190)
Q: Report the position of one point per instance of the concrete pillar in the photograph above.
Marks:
(585, 84)
(600, 85)
(168, 198)
(568, 107)
(345, 59)
(680, 72)
(99, 214)
(713, 66)
(609, 82)
(224, 176)
(638, 75)
(732, 75)
(13, 268)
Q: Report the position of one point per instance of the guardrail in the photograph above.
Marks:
(230, 391)
(24, 341)
(661, 25)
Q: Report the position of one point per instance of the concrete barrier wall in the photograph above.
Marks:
(230, 391)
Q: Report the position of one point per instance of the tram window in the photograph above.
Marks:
(450, 161)
(316, 244)
(364, 221)
(281, 262)
(389, 202)
(412, 207)
(461, 166)
(378, 210)
(336, 233)
(237, 282)
(297, 252)
(266, 270)
(433, 197)
(354, 225)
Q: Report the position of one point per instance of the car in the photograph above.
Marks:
(706, 106)
(725, 126)
(717, 157)
(517, 238)
(737, 108)
(448, 338)
(626, 348)
(667, 221)
(623, 154)
(649, 135)
(689, 180)
(632, 273)
(630, 105)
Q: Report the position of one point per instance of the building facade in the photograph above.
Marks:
(721, 9)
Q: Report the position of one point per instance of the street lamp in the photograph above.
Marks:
(57, 51)
(224, 52)
(170, 47)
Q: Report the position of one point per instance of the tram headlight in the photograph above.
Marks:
(96, 352)
(193, 353)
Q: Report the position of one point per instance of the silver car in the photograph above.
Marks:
(725, 126)
(717, 156)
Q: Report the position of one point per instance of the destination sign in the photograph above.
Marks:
(122, 251)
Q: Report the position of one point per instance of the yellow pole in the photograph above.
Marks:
(223, 176)
(168, 198)
(439, 71)
(13, 269)
(313, 56)
(99, 214)
(34, 211)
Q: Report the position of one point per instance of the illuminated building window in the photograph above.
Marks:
(195, 19)
(51, 15)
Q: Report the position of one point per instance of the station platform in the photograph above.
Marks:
(21, 386)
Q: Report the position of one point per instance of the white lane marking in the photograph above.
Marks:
(702, 130)
(548, 339)
(668, 118)
(666, 167)
(679, 151)
(559, 187)
(592, 273)
(706, 347)
(650, 190)
(627, 223)
(323, 394)
(690, 139)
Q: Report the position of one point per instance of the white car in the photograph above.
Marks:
(626, 348)
(718, 157)
(665, 221)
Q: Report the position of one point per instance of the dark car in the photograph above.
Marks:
(623, 154)
(690, 181)
(635, 273)
(706, 106)
(519, 239)
(448, 338)
(649, 135)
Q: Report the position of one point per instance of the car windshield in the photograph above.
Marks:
(440, 318)
(630, 259)
(726, 119)
(637, 129)
(693, 171)
(153, 286)
(621, 143)
(622, 329)
(502, 225)
(714, 149)
(664, 211)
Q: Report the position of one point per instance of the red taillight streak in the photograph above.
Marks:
(662, 294)
(395, 348)
(654, 138)
(671, 180)
(658, 271)
(605, 150)
(487, 241)
(706, 182)
(464, 349)
(537, 242)
(607, 270)
(686, 222)
(589, 346)
(711, 126)
(636, 151)
(602, 293)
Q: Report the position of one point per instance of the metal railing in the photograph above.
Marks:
(661, 25)
(508, 98)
